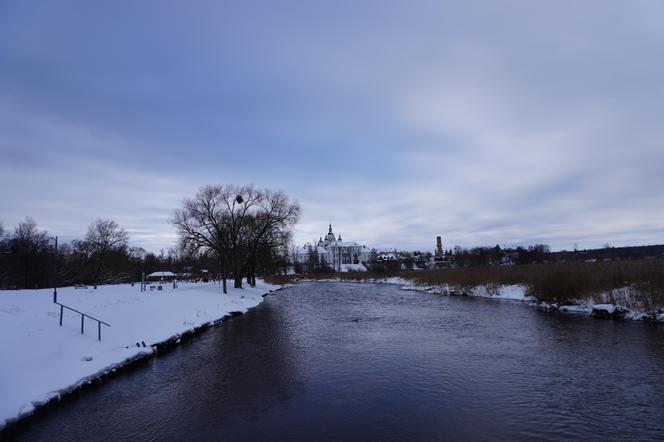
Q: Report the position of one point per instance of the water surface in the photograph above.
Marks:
(343, 361)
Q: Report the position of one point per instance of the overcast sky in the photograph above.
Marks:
(489, 122)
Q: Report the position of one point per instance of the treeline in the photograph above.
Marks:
(28, 257)
(247, 237)
(491, 256)
(542, 254)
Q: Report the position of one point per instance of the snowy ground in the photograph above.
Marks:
(513, 292)
(40, 359)
(625, 300)
(352, 268)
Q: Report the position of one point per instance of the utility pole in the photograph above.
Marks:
(55, 272)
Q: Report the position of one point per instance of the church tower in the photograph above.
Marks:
(330, 236)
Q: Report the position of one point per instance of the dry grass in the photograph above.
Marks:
(559, 282)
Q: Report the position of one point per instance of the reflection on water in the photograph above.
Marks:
(340, 361)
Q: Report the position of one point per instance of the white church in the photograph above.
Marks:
(334, 252)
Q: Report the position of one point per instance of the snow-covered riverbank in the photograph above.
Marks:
(41, 360)
(619, 304)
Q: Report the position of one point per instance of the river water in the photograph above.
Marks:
(343, 361)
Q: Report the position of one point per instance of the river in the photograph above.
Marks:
(344, 361)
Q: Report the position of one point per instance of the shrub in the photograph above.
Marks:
(555, 282)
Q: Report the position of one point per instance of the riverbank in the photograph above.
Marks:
(42, 361)
(634, 302)
(619, 304)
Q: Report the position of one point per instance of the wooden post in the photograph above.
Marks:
(99, 330)
(61, 311)
(82, 319)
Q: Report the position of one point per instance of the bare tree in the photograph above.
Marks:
(200, 225)
(242, 206)
(233, 222)
(271, 227)
(103, 237)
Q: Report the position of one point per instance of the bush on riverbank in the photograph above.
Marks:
(561, 282)
(556, 282)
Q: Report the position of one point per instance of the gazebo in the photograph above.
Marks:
(160, 276)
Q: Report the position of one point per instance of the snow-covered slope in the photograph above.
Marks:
(40, 359)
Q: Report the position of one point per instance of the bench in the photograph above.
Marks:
(80, 286)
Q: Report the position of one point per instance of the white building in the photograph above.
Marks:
(161, 276)
(333, 252)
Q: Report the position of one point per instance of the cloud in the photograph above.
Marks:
(509, 123)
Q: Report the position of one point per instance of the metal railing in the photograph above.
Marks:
(83, 316)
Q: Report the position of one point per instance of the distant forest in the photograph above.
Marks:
(541, 254)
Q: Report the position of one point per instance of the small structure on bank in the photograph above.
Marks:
(162, 276)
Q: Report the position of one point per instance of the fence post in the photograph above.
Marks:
(82, 319)
(61, 311)
(99, 330)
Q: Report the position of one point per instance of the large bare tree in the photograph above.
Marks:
(232, 222)
(200, 225)
(104, 236)
(270, 228)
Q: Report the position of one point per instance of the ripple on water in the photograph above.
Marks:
(337, 361)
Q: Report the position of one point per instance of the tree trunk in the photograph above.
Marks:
(26, 266)
(223, 275)
(97, 271)
(251, 275)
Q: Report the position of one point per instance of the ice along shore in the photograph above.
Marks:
(623, 303)
(42, 362)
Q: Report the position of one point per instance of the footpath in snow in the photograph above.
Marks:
(41, 360)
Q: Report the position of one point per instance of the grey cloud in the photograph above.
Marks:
(510, 122)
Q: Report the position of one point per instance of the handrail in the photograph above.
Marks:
(83, 315)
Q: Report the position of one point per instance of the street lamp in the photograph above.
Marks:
(55, 271)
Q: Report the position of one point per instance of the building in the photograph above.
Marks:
(331, 251)
(440, 258)
(439, 255)
(160, 276)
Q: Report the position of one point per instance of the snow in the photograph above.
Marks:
(512, 292)
(352, 268)
(609, 308)
(40, 359)
(161, 274)
(346, 244)
(580, 308)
